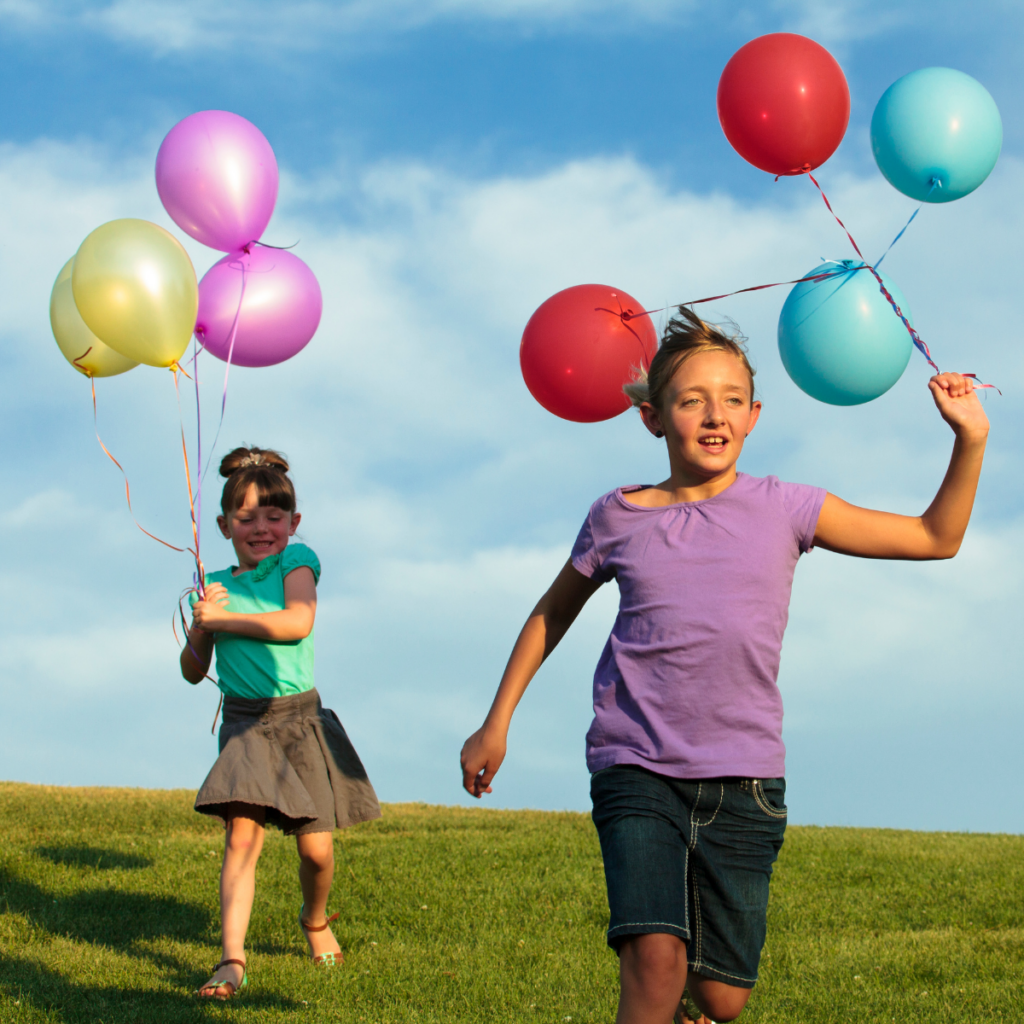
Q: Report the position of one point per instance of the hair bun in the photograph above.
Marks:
(246, 458)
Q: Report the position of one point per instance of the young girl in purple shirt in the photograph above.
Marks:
(685, 750)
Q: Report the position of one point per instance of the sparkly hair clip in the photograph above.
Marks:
(255, 459)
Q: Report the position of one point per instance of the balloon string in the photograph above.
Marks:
(200, 570)
(625, 315)
(628, 314)
(935, 183)
(199, 447)
(227, 371)
(127, 490)
(914, 336)
(75, 363)
(267, 245)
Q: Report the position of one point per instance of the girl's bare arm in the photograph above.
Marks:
(937, 533)
(295, 622)
(196, 655)
(556, 611)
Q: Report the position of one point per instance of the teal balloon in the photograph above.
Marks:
(936, 134)
(840, 339)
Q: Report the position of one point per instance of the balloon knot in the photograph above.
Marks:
(804, 169)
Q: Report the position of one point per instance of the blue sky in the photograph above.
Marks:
(447, 165)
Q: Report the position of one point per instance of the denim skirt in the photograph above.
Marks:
(292, 757)
(691, 858)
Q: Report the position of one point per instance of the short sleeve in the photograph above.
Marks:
(586, 558)
(296, 555)
(803, 503)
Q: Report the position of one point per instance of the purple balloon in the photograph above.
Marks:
(277, 315)
(217, 178)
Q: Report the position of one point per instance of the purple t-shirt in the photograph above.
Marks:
(686, 685)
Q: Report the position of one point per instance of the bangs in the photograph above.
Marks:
(273, 489)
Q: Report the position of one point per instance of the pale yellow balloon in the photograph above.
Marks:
(136, 290)
(81, 348)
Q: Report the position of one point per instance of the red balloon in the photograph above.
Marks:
(783, 103)
(578, 350)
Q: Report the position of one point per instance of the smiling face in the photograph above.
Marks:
(257, 531)
(706, 413)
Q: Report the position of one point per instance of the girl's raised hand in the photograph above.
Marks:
(958, 404)
(208, 613)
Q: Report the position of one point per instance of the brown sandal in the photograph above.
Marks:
(215, 986)
(324, 959)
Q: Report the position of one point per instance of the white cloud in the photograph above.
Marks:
(189, 25)
(440, 497)
(167, 27)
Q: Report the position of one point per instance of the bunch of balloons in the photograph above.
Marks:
(784, 105)
(129, 295)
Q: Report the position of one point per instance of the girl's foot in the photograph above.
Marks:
(323, 946)
(688, 1012)
(228, 978)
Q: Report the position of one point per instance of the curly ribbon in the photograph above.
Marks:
(200, 574)
(127, 489)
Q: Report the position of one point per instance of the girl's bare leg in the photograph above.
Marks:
(243, 842)
(652, 976)
(316, 872)
(719, 1001)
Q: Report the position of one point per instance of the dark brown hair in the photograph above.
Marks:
(263, 468)
(685, 335)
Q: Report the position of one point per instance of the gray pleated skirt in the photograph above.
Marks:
(292, 756)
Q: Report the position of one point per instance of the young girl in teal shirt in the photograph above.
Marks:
(284, 758)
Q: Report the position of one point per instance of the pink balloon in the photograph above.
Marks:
(217, 178)
(277, 315)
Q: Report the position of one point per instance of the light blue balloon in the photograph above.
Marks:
(936, 134)
(840, 339)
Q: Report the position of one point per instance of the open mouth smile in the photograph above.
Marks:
(713, 442)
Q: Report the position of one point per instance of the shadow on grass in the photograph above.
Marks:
(91, 857)
(47, 990)
(116, 919)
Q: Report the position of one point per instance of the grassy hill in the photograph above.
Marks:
(108, 913)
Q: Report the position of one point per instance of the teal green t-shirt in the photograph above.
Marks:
(247, 667)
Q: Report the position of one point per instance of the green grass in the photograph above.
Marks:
(108, 913)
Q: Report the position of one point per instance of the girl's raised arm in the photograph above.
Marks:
(556, 611)
(938, 533)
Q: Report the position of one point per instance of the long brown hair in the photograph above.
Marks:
(685, 335)
(262, 468)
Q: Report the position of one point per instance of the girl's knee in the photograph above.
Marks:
(654, 958)
(719, 1001)
(316, 849)
(243, 834)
